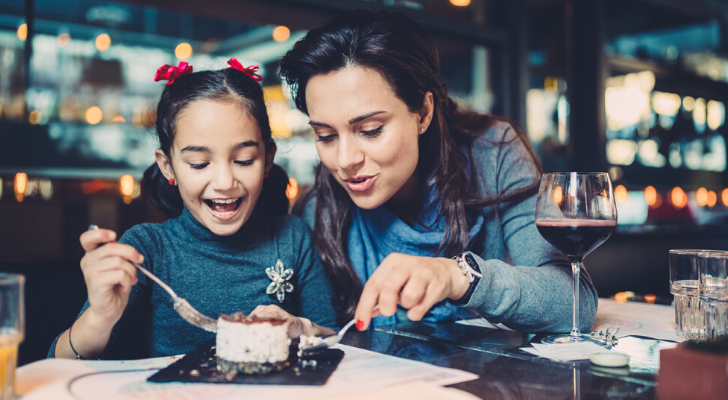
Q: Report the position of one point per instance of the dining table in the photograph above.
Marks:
(456, 360)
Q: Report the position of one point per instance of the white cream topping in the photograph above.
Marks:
(257, 342)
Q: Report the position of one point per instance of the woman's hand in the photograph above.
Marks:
(417, 283)
(297, 326)
(108, 274)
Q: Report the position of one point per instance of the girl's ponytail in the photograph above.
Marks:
(273, 200)
(163, 195)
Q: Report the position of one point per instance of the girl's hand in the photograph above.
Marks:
(417, 283)
(297, 326)
(108, 274)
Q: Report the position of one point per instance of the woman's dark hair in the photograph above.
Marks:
(228, 86)
(404, 54)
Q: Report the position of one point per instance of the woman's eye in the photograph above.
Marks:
(244, 163)
(199, 166)
(325, 138)
(373, 132)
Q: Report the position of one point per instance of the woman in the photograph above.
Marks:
(407, 181)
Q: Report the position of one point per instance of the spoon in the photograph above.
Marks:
(331, 340)
(183, 308)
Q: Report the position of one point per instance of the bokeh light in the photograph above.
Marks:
(23, 32)
(183, 51)
(94, 115)
(281, 33)
(126, 185)
(103, 42)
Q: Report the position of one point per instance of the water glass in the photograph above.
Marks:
(713, 282)
(684, 285)
(12, 329)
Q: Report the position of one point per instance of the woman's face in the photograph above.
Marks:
(218, 162)
(365, 135)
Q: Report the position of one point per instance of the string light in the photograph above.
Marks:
(63, 40)
(650, 195)
(103, 42)
(678, 197)
(21, 183)
(292, 188)
(712, 198)
(126, 184)
(94, 115)
(701, 196)
(183, 51)
(281, 33)
(621, 194)
(23, 32)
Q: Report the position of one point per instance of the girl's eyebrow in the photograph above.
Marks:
(351, 121)
(204, 149)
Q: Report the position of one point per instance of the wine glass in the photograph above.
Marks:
(576, 213)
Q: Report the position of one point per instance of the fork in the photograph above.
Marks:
(331, 340)
(183, 308)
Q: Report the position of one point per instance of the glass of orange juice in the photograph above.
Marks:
(12, 329)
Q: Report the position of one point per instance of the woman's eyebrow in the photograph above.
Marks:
(351, 121)
(196, 149)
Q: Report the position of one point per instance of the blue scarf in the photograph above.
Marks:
(377, 233)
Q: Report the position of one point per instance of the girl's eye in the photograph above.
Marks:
(372, 133)
(325, 138)
(244, 163)
(199, 166)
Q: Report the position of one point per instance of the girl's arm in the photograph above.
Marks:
(109, 278)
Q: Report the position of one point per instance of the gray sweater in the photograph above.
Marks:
(216, 275)
(526, 283)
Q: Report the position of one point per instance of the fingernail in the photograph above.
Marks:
(359, 324)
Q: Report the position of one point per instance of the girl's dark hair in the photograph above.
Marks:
(229, 86)
(405, 56)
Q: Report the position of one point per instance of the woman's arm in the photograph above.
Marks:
(534, 294)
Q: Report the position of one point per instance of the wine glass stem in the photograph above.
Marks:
(575, 269)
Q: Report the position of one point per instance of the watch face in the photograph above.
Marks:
(471, 262)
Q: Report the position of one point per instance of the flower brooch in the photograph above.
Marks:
(279, 276)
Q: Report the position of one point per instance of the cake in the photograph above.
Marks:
(251, 345)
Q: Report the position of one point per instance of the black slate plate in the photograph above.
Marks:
(310, 370)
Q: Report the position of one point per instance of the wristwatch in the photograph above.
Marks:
(469, 267)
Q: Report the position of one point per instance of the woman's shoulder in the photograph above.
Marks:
(496, 135)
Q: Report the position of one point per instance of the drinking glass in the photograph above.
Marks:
(713, 282)
(684, 286)
(12, 330)
(576, 213)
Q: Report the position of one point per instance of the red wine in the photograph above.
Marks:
(575, 237)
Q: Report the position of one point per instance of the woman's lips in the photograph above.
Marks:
(360, 183)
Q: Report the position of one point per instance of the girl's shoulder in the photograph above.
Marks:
(498, 134)
(145, 237)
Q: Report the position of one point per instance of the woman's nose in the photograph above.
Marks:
(350, 153)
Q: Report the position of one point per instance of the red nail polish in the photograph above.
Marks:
(359, 324)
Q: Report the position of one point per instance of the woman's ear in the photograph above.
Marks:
(270, 154)
(164, 163)
(426, 112)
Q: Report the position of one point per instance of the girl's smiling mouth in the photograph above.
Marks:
(224, 209)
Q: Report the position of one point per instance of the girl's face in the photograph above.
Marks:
(218, 160)
(365, 135)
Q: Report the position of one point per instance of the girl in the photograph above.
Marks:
(408, 181)
(215, 176)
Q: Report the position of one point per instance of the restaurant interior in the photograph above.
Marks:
(635, 88)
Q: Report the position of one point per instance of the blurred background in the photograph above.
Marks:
(634, 87)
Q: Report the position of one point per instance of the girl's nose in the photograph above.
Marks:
(350, 153)
(224, 179)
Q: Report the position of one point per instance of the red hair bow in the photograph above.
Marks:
(170, 73)
(251, 71)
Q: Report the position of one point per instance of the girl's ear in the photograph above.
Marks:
(270, 154)
(426, 112)
(164, 163)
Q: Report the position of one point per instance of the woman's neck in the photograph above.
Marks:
(406, 203)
